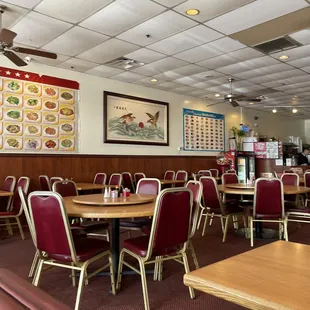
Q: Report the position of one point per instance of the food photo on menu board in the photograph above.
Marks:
(37, 113)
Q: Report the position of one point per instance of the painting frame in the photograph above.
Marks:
(164, 106)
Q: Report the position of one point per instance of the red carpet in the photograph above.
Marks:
(17, 255)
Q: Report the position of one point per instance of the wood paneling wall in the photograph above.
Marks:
(84, 167)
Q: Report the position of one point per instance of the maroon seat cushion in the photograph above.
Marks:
(136, 223)
(269, 216)
(8, 213)
(90, 226)
(85, 249)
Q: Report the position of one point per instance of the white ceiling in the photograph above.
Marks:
(192, 55)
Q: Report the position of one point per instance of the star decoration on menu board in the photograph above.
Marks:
(17, 74)
(8, 72)
(27, 76)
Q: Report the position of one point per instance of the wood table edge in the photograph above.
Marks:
(231, 295)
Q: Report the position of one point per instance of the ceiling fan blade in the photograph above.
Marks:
(250, 99)
(210, 105)
(7, 36)
(14, 58)
(35, 52)
(234, 103)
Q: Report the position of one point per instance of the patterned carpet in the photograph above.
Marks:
(17, 255)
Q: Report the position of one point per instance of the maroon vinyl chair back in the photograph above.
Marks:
(100, 178)
(290, 179)
(65, 188)
(116, 179)
(50, 223)
(138, 176)
(45, 183)
(9, 184)
(214, 173)
(171, 226)
(210, 195)
(181, 175)
(148, 186)
(307, 182)
(169, 175)
(127, 181)
(196, 188)
(55, 179)
(229, 178)
(268, 198)
(205, 173)
(23, 183)
(231, 171)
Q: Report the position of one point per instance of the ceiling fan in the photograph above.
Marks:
(233, 99)
(7, 48)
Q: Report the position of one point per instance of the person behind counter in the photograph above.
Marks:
(302, 157)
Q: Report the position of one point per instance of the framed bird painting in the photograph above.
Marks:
(135, 120)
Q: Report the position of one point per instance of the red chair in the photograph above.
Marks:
(165, 240)
(182, 176)
(127, 181)
(231, 171)
(61, 249)
(67, 188)
(230, 178)
(291, 179)
(205, 173)
(169, 175)
(44, 182)
(212, 201)
(307, 184)
(269, 204)
(214, 173)
(15, 210)
(116, 180)
(55, 179)
(8, 186)
(147, 186)
(100, 178)
(137, 176)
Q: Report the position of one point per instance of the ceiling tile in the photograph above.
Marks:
(307, 69)
(168, 85)
(48, 61)
(104, 71)
(145, 55)
(108, 50)
(197, 93)
(185, 40)
(293, 86)
(128, 77)
(122, 15)
(167, 76)
(72, 11)
(158, 27)
(29, 4)
(169, 3)
(302, 36)
(185, 80)
(209, 50)
(189, 70)
(201, 85)
(294, 53)
(27, 29)
(298, 90)
(272, 76)
(231, 58)
(248, 65)
(12, 15)
(75, 41)
(77, 65)
(147, 82)
(265, 10)
(211, 8)
(299, 63)
(299, 76)
(184, 89)
(160, 66)
(206, 75)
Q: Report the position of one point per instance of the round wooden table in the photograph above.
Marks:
(5, 193)
(94, 206)
(241, 186)
(170, 182)
(91, 186)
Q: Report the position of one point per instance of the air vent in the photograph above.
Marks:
(277, 45)
(124, 63)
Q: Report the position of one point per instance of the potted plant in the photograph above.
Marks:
(238, 135)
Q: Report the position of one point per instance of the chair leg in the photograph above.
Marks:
(285, 230)
(112, 275)
(108, 235)
(160, 269)
(200, 218)
(120, 270)
(80, 287)
(235, 222)
(9, 227)
(34, 264)
(36, 279)
(186, 267)
(204, 224)
(155, 277)
(20, 228)
(73, 276)
(144, 286)
(251, 231)
(280, 230)
(211, 219)
(192, 249)
(222, 224)
(226, 227)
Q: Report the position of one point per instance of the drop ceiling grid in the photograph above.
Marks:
(241, 62)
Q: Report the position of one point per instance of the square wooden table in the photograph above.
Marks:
(275, 276)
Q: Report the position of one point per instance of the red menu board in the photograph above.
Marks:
(37, 113)
(266, 149)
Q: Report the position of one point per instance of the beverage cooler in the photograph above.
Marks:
(245, 166)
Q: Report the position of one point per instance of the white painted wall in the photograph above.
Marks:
(91, 114)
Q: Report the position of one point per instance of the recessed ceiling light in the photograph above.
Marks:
(251, 102)
(217, 95)
(154, 80)
(274, 110)
(192, 12)
(284, 57)
(294, 110)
